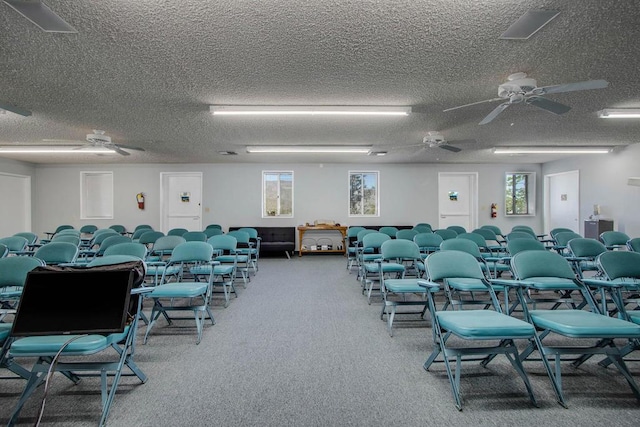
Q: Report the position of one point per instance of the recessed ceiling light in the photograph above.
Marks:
(298, 110)
(619, 113)
(353, 149)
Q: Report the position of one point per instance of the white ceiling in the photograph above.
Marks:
(146, 72)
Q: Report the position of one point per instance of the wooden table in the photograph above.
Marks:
(302, 229)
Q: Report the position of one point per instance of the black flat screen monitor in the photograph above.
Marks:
(73, 302)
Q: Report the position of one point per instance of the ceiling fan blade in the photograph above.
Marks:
(450, 148)
(492, 115)
(571, 87)
(473, 103)
(117, 150)
(14, 109)
(129, 147)
(547, 104)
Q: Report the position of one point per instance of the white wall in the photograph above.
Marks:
(603, 181)
(232, 193)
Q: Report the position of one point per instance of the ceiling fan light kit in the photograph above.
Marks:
(299, 110)
(552, 150)
(619, 113)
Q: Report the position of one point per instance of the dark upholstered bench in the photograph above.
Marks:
(275, 241)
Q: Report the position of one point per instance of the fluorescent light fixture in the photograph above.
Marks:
(353, 149)
(552, 150)
(377, 153)
(38, 149)
(619, 113)
(297, 110)
(41, 15)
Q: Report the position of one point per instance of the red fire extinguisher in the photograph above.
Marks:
(140, 199)
(494, 210)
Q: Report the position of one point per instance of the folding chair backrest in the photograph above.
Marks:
(423, 228)
(520, 235)
(120, 229)
(534, 263)
(210, 232)
(253, 233)
(619, 264)
(68, 238)
(389, 230)
(399, 249)
(363, 233)
(31, 237)
(128, 248)
(143, 227)
(13, 270)
(57, 252)
(192, 251)
(452, 263)
(475, 238)
(495, 229)
(112, 240)
(137, 233)
(150, 237)
(525, 228)
(99, 237)
(446, 234)
(486, 233)
(519, 245)
(67, 231)
(3, 250)
(634, 244)
(457, 228)
(14, 243)
(563, 238)
(241, 236)
(218, 226)
(166, 243)
(223, 242)
(195, 236)
(406, 234)
(428, 241)
(614, 238)
(374, 240)
(177, 231)
(88, 229)
(584, 247)
(463, 245)
(558, 230)
(63, 227)
(352, 232)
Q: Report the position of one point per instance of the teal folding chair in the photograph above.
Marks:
(446, 233)
(561, 240)
(74, 348)
(614, 240)
(634, 244)
(224, 266)
(497, 332)
(590, 332)
(406, 234)
(422, 228)
(50, 234)
(137, 250)
(57, 252)
(210, 232)
(120, 229)
(396, 257)
(17, 245)
(457, 228)
(350, 246)
(428, 242)
(389, 230)
(4, 250)
(583, 253)
(370, 269)
(254, 242)
(32, 238)
(176, 232)
(175, 293)
(195, 236)
(244, 249)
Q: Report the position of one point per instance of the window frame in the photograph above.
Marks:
(377, 195)
(530, 194)
(86, 206)
(264, 213)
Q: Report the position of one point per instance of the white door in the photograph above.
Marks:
(458, 199)
(15, 211)
(181, 204)
(562, 201)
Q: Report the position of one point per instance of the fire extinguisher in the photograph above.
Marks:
(494, 210)
(140, 199)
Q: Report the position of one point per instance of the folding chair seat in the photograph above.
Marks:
(396, 256)
(350, 245)
(71, 348)
(173, 293)
(57, 252)
(494, 332)
(597, 331)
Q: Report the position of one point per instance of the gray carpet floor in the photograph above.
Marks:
(300, 346)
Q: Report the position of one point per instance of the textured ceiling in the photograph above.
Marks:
(147, 71)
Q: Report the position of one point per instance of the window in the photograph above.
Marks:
(96, 195)
(363, 194)
(520, 193)
(277, 194)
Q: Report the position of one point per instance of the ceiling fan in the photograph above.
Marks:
(436, 139)
(96, 139)
(522, 89)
